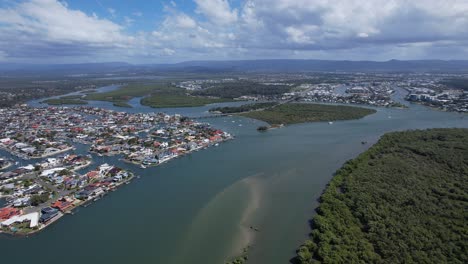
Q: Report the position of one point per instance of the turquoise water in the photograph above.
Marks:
(192, 210)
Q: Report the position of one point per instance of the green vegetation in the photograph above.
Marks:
(77, 96)
(60, 101)
(242, 108)
(397, 105)
(158, 95)
(293, 113)
(125, 93)
(238, 89)
(16, 90)
(65, 172)
(242, 258)
(177, 100)
(22, 228)
(39, 199)
(122, 104)
(402, 201)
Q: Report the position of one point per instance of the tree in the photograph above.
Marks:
(39, 199)
(65, 172)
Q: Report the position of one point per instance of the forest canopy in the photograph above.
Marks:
(402, 201)
(292, 113)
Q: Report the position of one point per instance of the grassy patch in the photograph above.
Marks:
(237, 89)
(76, 96)
(165, 100)
(60, 101)
(157, 95)
(122, 104)
(242, 108)
(293, 113)
(128, 92)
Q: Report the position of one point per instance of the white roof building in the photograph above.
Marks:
(51, 171)
(33, 217)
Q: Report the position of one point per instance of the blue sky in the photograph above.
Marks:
(70, 31)
(145, 15)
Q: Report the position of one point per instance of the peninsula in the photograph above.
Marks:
(40, 193)
(402, 201)
(293, 113)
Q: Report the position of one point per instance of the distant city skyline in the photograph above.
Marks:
(72, 31)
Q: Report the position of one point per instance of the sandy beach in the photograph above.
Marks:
(246, 237)
(238, 204)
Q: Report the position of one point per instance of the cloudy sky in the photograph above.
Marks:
(145, 31)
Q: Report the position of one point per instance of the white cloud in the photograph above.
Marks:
(35, 19)
(218, 11)
(112, 12)
(256, 29)
(128, 21)
(363, 35)
(301, 34)
(168, 52)
(340, 23)
(184, 21)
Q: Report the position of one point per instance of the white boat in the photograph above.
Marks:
(330, 123)
(143, 166)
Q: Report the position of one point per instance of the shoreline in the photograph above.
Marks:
(70, 211)
(7, 166)
(26, 157)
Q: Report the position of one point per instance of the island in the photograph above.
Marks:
(402, 201)
(121, 104)
(178, 99)
(64, 101)
(156, 95)
(243, 108)
(293, 113)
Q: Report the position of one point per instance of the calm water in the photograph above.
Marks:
(195, 209)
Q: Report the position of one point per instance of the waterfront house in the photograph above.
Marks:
(47, 217)
(8, 212)
(48, 210)
(92, 175)
(32, 218)
(62, 205)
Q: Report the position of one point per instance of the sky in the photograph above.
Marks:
(145, 31)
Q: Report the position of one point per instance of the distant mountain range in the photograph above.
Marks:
(275, 65)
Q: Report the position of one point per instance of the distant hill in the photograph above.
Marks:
(64, 69)
(328, 65)
(275, 65)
